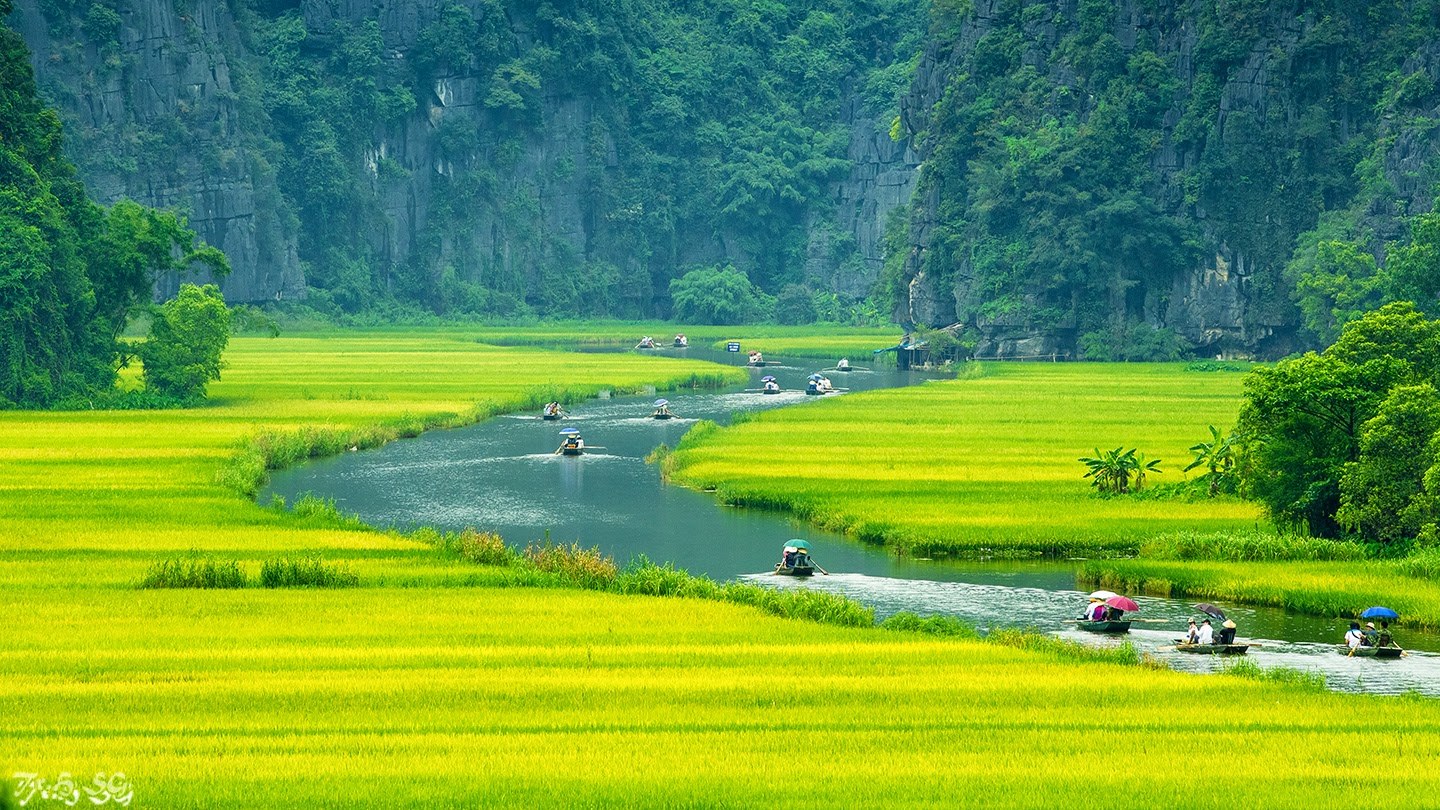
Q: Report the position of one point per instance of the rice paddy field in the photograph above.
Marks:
(986, 465)
(439, 683)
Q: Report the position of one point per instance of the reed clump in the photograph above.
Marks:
(1250, 546)
(581, 567)
(201, 572)
(306, 572)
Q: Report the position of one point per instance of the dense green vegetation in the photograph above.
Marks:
(1080, 160)
(705, 132)
(71, 272)
(1349, 439)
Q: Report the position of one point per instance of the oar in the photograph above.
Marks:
(818, 568)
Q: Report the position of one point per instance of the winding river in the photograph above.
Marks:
(503, 475)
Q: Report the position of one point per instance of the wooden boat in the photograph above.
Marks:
(572, 451)
(666, 415)
(794, 570)
(1372, 652)
(1211, 649)
(551, 417)
(1104, 627)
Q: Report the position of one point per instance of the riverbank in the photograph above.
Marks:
(1319, 588)
(434, 684)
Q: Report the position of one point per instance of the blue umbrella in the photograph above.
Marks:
(660, 403)
(817, 377)
(569, 431)
(768, 378)
(1380, 613)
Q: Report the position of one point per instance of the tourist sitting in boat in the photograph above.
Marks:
(646, 342)
(1353, 637)
(681, 341)
(1097, 611)
(1206, 634)
(662, 410)
(757, 359)
(771, 387)
(1369, 637)
(844, 364)
(572, 444)
(1113, 614)
(1227, 633)
(1192, 634)
(1385, 639)
(552, 410)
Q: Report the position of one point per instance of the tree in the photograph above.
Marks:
(1113, 471)
(719, 295)
(1382, 493)
(187, 337)
(1304, 417)
(1217, 456)
(795, 305)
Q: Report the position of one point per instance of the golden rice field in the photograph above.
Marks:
(980, 465)
(428, 687)
(832, 342)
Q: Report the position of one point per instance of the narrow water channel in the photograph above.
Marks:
(503, 475)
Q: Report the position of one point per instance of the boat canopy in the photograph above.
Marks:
(797, 544)
(569, 431)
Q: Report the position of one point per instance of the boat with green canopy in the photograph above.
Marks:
(795, 560)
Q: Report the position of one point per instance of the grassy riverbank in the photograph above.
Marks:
(437, 682)
(1320, 588)
(986, 465)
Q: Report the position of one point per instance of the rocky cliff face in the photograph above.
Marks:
(162, 104)
(1252, 143)
(155, 69)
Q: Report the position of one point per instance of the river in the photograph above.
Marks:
(502, 475)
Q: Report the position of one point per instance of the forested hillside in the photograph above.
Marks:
(1130, 179)
(1133, 180)
(562, 158)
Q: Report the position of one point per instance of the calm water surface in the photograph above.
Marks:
(503, 475)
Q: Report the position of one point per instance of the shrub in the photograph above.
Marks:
(933, 625)
(187, 337)
(581, 567)
(309, 572)
(205, 572)
(483, 548)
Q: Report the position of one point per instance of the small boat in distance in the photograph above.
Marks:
(1103, 626)
(570, 444)
(646, 342)
(1181, 645)
(681, 342)
(795, 561)
(1106, 613)
(843, 365)
(552, 411)
(756, 359)
(1372, 652)
(768, 385)
(662, 410)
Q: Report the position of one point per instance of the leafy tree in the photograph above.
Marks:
(1217, 456)
(795, 305)
(1304, 417)
(718, 295)
(1382, 492)
(1113, 471)
(187, 337)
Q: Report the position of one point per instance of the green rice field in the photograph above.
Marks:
(439, 683)
(985, 465)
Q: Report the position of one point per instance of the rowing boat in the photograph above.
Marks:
(1211, 649)
(794, 570)
(1104, 627)
(1372, 652)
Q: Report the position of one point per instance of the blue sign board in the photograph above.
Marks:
(732, 346)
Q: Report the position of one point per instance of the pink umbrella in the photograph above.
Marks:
(1122, 603)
